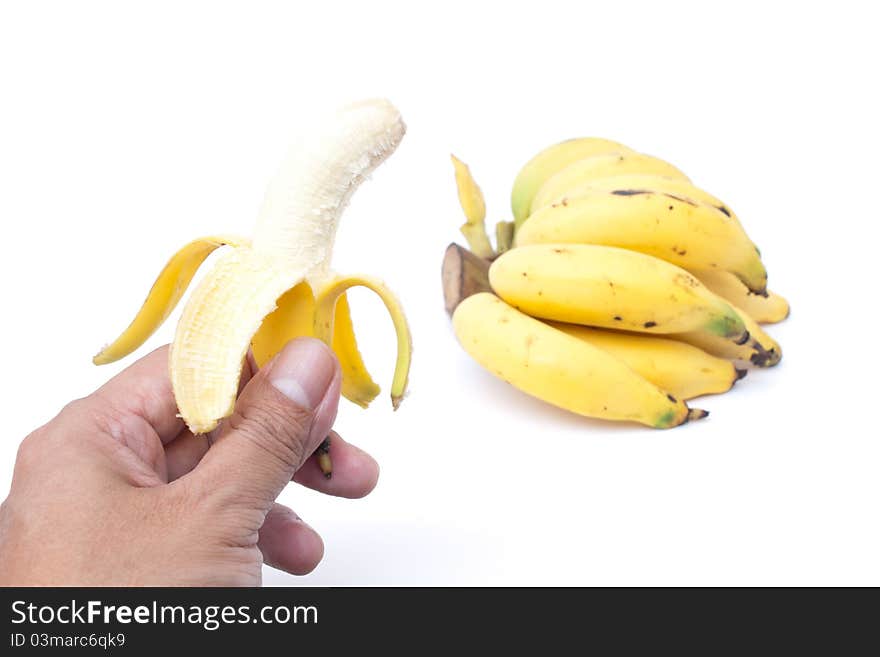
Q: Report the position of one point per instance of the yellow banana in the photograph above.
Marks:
(548, 162)
(601, 166)
(760, 350)
(685, 232)
(557, 368)
(677, 367)
(611, 288)
(763, 309)
(771, 308)
(279, 285)
(677, 186)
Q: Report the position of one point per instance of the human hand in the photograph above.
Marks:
(116, 491)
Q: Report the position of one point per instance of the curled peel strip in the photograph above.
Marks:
(327, 311)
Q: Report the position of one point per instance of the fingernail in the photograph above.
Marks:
(302, 372)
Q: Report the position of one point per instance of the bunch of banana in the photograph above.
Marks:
(619, 289)
(277, 286)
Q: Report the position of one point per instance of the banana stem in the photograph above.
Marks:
(477, 239)
(504, 236)
(470, 197)
(464, 274)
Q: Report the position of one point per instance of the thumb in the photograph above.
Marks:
(282, 415)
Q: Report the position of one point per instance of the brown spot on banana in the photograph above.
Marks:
(685, 280)
(681, 199)
(630, 192)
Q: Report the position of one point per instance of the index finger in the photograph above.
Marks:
(144, 390)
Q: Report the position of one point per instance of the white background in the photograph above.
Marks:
(127, 129)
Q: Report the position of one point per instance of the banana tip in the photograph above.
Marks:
(101, 358)
(759, 291)
(765, 357)
(396, 401)
(696, 414)
(740, 373)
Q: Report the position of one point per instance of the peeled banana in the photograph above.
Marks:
(560, 369)
(279, 285)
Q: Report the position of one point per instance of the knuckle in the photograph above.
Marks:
(106, 419)
(74, 410)
(31, 451)
(228, 516)
(72, 407)
(45, 441)
(79, 420)
(278, 429)
(240, 525)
